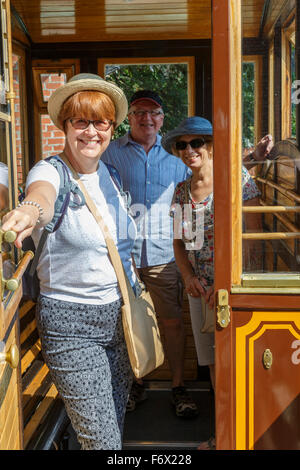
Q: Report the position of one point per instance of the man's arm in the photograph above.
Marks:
(260, 152)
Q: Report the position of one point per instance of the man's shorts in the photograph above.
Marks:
(166, 289)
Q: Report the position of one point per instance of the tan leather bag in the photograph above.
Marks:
(140, 326)
(209, 318)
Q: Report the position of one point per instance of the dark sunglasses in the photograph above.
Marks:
(195, 144)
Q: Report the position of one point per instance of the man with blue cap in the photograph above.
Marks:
(150, 175)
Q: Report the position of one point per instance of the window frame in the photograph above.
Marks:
(70, 67)
(189, 60)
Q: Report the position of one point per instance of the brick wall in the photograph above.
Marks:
(52, 138)
(18, 123)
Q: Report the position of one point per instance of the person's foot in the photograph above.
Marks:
(137, 395)
(208, 445)
(184, 406)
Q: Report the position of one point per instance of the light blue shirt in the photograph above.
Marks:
(150, 179)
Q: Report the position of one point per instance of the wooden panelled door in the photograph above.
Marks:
(10, 286)
(258, 310)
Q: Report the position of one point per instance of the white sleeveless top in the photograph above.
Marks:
(74, 264)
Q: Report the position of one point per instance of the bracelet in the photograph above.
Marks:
(35, 204)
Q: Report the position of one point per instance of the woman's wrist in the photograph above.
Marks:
(187, 278)
(38, 210)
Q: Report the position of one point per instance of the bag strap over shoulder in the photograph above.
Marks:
(124, 284)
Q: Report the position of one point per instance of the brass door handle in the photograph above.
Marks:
(13, 283)
(12, 356)
(223, 309)
(9, 236)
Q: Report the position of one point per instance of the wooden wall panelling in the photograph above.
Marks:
(73, 20)
(10, 411)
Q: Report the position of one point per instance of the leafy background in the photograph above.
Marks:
(170, 81)
(248, 104)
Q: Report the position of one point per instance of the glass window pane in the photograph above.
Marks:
(18, 119)
(3, 59)
(271, 185)
(3, 151)
(294, 85)
(3, 169)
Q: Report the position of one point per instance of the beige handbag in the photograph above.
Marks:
(140, 326)
(209, 318)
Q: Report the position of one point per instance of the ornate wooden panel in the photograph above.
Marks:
(267, 381)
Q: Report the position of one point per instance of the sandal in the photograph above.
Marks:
(183, 404)
(208, 445)
(137, 395)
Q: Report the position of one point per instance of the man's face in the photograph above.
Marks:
(145, 125)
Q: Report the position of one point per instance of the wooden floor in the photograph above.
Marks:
(154, 425)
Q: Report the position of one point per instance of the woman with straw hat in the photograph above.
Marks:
(192, 210)
(78, 311)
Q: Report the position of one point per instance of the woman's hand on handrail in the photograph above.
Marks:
(23, 219)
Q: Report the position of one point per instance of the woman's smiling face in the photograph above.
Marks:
(196, 152)
(79, 115)
(87, 143)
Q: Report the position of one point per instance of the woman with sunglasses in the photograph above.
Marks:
(79, 309)
(192, 210)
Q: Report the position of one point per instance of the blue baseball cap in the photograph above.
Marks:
(146, 95)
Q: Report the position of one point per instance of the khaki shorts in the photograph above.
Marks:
(166, 289)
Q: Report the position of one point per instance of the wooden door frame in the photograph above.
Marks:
(223, 125)
(226, 58)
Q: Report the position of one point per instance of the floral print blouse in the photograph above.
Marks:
(194, 224)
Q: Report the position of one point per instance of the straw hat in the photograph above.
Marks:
(87, 82)
(192, 125)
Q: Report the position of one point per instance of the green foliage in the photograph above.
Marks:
(248, 90)
(170, 81)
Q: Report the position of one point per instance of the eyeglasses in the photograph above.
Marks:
(99, 125)
(141, 113)
(195, 144)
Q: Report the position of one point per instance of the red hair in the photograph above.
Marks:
(90, 105)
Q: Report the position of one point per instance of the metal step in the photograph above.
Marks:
(144, 445)
(154, 425)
